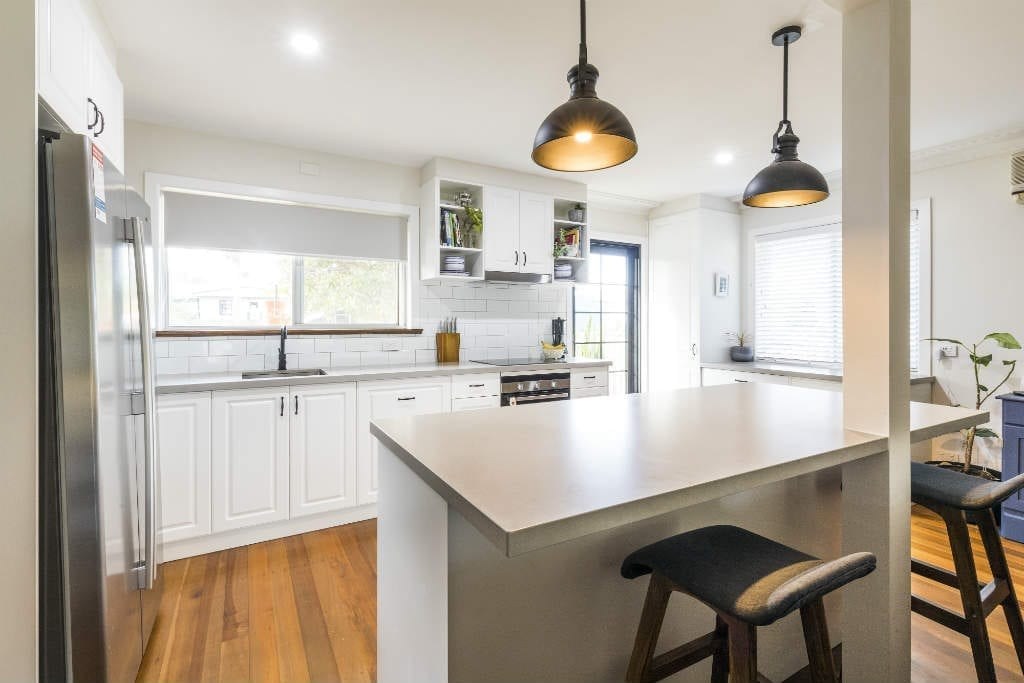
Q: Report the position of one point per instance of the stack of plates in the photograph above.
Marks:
(563, 271)
(454, 265)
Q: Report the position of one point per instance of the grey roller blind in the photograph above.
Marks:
(217, 222)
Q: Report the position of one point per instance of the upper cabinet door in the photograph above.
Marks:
(536, 233)
(250, 457)
(501, 229)
(323, 448)
(107, 93)
(62, 44)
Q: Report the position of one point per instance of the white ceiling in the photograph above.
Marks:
(407, 81)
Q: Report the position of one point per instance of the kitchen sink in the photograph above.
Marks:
(264, 374)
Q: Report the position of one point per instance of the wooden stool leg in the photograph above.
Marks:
(720, 660)
(658, 593)
(1001, 573)
(819, 649)
(742, 652)
(967, 576)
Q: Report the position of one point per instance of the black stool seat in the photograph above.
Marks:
(931, 484)
(750, 577)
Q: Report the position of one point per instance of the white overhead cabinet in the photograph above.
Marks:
(517, 231)
(76, 78)
(323, 448)
(393, 398)
(536, 215)
(250, 457)
(183, 447)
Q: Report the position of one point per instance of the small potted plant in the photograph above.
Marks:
(982, 393)
(475, 218)
(741, 353)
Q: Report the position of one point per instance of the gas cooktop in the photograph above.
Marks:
(516, 361)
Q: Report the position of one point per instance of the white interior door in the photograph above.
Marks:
(393, 398)
(501, 229)
(323, 448)
(536, 233)
(183, 424)
(673, 302)
(250, 457)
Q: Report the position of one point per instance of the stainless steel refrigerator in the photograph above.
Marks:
(98, 466)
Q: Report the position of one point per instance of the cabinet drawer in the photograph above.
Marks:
(588, 377)
(476, 403)
(1013, 412)
(471, 386)
(589, 392)
(713, 376)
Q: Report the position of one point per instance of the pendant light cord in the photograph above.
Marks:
(785, 80)
(583, 36)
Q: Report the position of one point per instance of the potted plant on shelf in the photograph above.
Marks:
(475, 218)
(741, 353)
(982, 393)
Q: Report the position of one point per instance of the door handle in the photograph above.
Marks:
(693, 350)
(524, 258)
(282, 406)
(406, 398)
(476, 386)
(96, 114)
(103, 123)
(517, 257)
(296, 405)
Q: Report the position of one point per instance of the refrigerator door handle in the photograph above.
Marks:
(135, 234)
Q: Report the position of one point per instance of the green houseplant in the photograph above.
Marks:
(475, 218)
(740, 353)
(982, 393)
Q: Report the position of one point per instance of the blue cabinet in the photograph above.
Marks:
(1013, 450)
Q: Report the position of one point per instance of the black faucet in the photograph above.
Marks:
(282, 359)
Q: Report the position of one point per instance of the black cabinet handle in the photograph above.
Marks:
(96, 114)
(517, 257)
(524, 258)
(282, 406)
(741, 381)
(103, 124)
(475, 386)
(590, 377)
(406, 398)
(296, 405)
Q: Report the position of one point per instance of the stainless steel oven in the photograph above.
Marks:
(523, 388)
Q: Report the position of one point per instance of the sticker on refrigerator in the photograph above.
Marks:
(99, 190)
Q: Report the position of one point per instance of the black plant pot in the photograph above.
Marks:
(741, 354)
(986, 473)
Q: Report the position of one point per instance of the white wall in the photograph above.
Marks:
(18, 337)
(720, 252)
(613, 221)
(977, 274)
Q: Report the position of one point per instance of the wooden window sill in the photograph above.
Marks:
(296, 331)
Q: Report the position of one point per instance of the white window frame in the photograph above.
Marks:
(158, 183)
(922, 206)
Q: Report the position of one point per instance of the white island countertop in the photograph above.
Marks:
(538, 475)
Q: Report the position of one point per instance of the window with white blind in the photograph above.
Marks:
(798, 294)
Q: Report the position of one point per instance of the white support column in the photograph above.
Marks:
(876, 294)
(18, 337)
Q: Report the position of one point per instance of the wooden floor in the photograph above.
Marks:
(304, 609)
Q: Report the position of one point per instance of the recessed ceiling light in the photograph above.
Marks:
(724, 158)
(305, 44)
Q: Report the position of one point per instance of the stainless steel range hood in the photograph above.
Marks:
(516, 277)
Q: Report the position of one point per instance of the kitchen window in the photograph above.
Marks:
(798, 292)
(238, 262)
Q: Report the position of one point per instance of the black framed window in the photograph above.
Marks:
(606, 313)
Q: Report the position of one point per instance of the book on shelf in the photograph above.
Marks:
(451, 229)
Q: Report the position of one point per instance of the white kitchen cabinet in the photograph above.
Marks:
(250, 457)
(107, 107)
(501, 229)
(63, 36)
(393, 398)
(475, 403)
(536, 235)
(183, 424)
(476, 384)
(713, 376)
(323, 448)
(589, 392)
(586, 378)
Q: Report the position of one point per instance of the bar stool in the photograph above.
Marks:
(960, 500)
(749, 581)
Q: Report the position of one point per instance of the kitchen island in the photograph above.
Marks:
(501, 531)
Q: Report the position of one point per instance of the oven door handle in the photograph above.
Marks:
(545, 397)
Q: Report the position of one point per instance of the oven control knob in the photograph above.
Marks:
(519, 387)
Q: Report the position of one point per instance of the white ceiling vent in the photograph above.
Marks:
(1017, 176)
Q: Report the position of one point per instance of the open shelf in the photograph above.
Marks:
(570, 258)
(445, 231)
(462, 250)
(562, 225)
(452, 207)
(566, 221)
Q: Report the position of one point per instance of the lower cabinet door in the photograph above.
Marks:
(475, 403)
(588, 392)
(250, 457)
(183, 449)
(323, 448)
(393, 398)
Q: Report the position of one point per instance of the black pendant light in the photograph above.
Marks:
(786, 181)
(585, 133)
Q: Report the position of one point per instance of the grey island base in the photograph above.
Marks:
(501, 532)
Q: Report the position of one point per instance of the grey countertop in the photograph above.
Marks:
(544, 474)
(795, 370)
(177, 384)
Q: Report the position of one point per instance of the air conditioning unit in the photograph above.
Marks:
(1017, 176)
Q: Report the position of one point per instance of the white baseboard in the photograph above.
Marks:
(235, 538)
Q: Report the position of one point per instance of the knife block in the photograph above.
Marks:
(447, 346)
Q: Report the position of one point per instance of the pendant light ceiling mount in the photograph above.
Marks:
(586, 133)
(786, 181)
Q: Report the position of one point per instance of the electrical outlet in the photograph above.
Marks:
(949, 351)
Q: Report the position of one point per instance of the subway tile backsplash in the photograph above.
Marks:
(497, 321)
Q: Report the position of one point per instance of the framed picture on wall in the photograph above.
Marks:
(721, 284)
